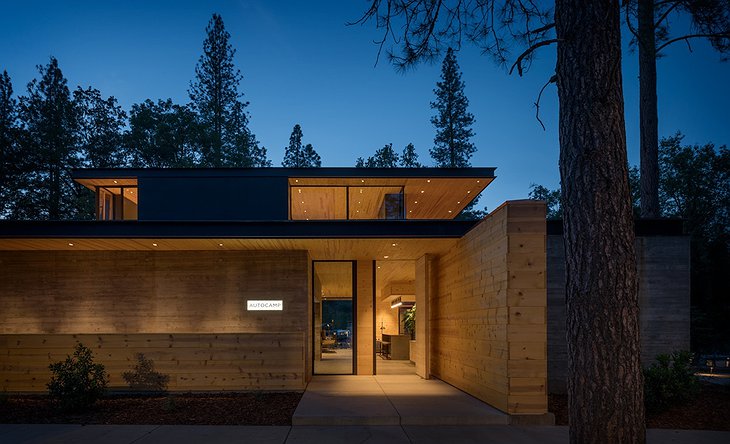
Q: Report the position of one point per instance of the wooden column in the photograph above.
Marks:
(364, 314)
(424, 288)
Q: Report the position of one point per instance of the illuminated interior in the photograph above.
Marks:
(381, 198)
(116, 199)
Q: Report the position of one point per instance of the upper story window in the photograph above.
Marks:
(348, 198)
(116, 199)
(116, 203)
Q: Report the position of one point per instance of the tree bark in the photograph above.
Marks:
(605, 385)
(648, 118)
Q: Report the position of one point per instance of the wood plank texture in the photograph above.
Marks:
(196, 362)
(186, 310)
(488, 314)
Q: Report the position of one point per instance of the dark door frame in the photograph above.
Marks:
(354, 315)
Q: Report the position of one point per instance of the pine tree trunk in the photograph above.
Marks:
(648, 111)
(604, 370)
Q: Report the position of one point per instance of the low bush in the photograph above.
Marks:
(669, 381)
(144, 377)
(77, 383)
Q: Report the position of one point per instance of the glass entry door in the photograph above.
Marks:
(334, 321)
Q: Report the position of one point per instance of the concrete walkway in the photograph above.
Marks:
(390, 400)
(129, 434)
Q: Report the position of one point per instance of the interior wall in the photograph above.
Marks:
(488, 313)
(196, 298)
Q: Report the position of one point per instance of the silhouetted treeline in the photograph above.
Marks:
(49, 130)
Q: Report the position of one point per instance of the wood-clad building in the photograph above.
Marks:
(257, 279)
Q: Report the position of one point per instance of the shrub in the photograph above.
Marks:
(77, 383)
(669, 381)
(144, 377)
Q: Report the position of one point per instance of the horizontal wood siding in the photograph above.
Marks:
(194, 362)
(663, 266)
(488, 315)
(185, 310)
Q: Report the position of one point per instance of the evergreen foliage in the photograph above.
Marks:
(298, 156)
(452, 144)
(409, 157)
(669, 381)
(163, 135)
(214, 94)
(50, 149)
(77, 382)
(9, 150)
(101, 124)
(385, 157)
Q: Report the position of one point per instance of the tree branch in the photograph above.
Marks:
(664, 16)
(690, 36)
(530, 50)
(553, 79)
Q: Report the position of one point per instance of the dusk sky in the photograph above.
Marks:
(302, 64)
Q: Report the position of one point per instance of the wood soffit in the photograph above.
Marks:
(382, 250)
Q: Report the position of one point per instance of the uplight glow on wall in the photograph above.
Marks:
(264, 305)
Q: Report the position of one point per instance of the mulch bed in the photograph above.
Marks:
(710, 410)
(193, 409)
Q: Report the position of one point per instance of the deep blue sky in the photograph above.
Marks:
(302, 64)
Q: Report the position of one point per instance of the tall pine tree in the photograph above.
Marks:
(49, 147)
(163, 135)
(452, 144)
(409, 158)
(215, 97)
(298, 156)
(385, 157)
(9, 173)
(101, 121)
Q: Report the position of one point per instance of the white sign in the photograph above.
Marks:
(264, 305)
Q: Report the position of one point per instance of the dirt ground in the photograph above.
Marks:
(196, 409)
(710, 410)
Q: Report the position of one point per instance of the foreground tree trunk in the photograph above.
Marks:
(648, 119)
(605, 381)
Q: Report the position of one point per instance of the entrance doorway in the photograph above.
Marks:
(335, 295)
(394, 301)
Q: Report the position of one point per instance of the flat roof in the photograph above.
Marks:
(325, 172)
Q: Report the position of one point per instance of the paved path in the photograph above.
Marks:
(132, 434)
(390, 400)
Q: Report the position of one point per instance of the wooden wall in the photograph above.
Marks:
(663, 266)
(192, 303)
(365, 327)
(488, 313)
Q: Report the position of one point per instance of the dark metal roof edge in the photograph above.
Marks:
(642, 227)
(324, 172)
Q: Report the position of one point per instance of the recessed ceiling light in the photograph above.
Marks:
(378, 267)
(220, 245)
(410, 211)
(468, 192)
(395, 245)
(362, 180)
(423, 191)
(477, 181)
(429, 181)
(131, 192)
(154, 244)
(386, 257)
(300, 191)
(302, 201)
(458, 202)
(449, 211)
(70, 244)
(415, 202)
(116, 181)
(296, 180)
(305, 211)
(358, 202)
(358, 211)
